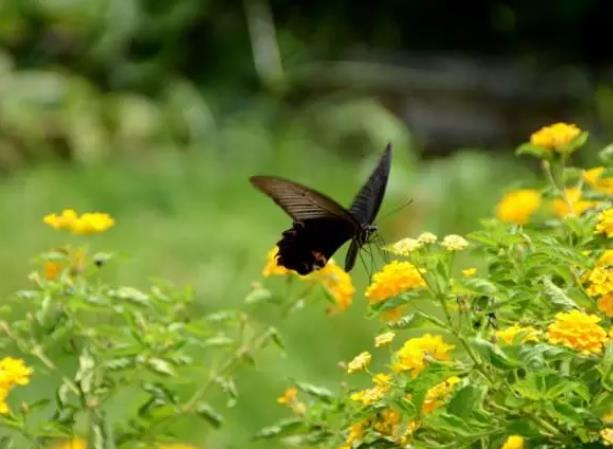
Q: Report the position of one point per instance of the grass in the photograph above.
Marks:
(194, 219)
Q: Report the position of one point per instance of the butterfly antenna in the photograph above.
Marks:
(396, 210)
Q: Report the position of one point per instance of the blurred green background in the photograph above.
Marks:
(158, 112)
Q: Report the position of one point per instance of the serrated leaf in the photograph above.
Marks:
(85, 374)
(218, 340)
(557, 296)
(314, 390)
(204, 410)
(161, 366)
(258, 295)
(281, 428)
(130, 294)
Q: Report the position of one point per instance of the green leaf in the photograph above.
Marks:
(466, 400)
(85, 374)
(314, 390)
(533, 150)
(281, 428)
(130, 294)
(258, 295)
(161, 366)
(494, 354)
(606, 154)
(204, 410)
(557, 296)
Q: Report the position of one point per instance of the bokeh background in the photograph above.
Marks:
(158, 112)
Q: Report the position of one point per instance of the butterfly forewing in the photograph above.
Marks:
(300, 202)
(366, 204)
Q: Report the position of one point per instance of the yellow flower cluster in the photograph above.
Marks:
(507, 335)
(572, 204)
(605, 223)
(337, 283)
(454, 242)
(577, 330)
(394, 278)
(271, 268)
(600, 282)
(406, 246)
(555, 137)
(513, 442)
(75, 443)
(438, 394)
(607, 436)
(386, 421)
(469, 272)
(384, 339)
(382, 384)
(85, 224)
(359, 362)
(290, 399)
(12, 372)
(332, 277)
(593, 177)
(355, 434)
(415, 352)
(518, 206)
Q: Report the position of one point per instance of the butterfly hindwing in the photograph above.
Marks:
(308, 245)
(366, 204)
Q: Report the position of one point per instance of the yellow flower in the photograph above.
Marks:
(337, 283)
(359, 362)
(271, 268)
(577, 330)
(513, 442)
(605, 304)
(594, 179)
(87, 223)
(605, 223)
(14, 372)
(454, 242)
(416, 352)
(392, 314)
(405, 246)
(384, 339)
(394, 278)
(607, 436)
(386, 422)
(518, 206)
(382, 384)
(75, 443)
(4, 408)
(427, 238)
(469, 272)
(51, 270)
(577, 206)
(607, 418)
(355, 434)
(600, 280)
(289, 395)
(438, 394)
(555, 137)
(508, 334)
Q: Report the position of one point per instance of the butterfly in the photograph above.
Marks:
(320, 225)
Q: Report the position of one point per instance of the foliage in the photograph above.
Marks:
(94, 345)
(514, 353)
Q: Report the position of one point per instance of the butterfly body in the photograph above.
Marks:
(320, 225)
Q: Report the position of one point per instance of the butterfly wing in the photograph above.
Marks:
(367, 202)
(300, 202)
(352, 254)
(320, 225)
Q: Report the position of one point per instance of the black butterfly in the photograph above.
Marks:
(321, 225)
